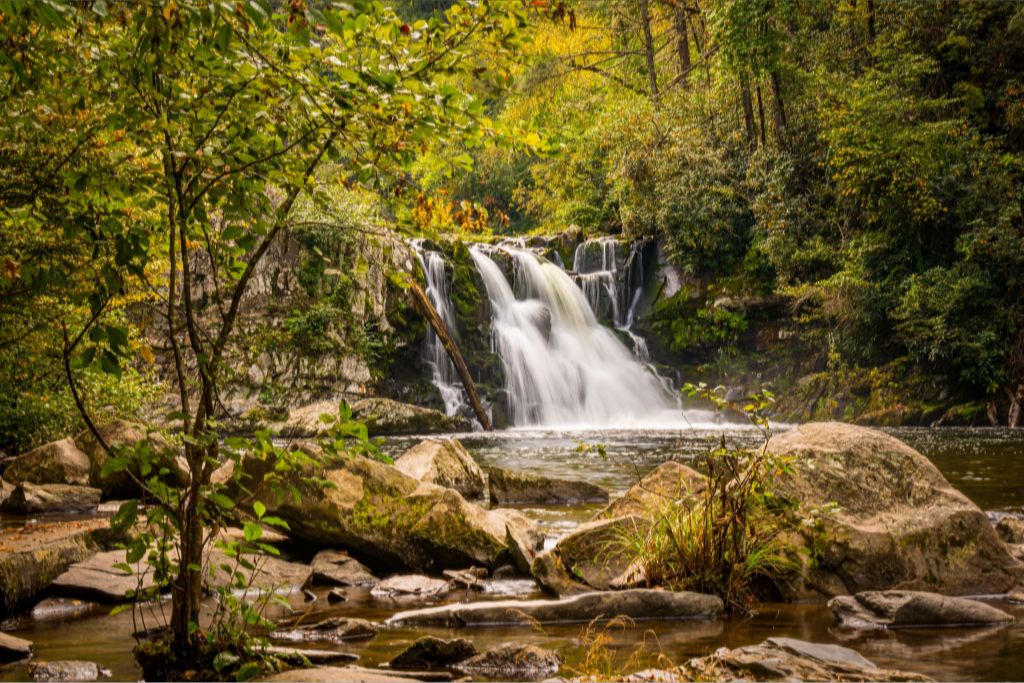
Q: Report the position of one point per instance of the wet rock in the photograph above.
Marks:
(337, 568)
(636, 604)
(788, 659)
(356, 674)
(67, 670)
(444, 462)
(513, 662)
(506, 571)
(13, 649)
(385, 417)
(508, 487)
(100, 580)
(336, 596)
(31, 499)
(554, 578)
(386, 518)
(894, 609)
(59, 462)
(595, 553)
(60, 608)
(522, 537)
(1016, 597)
(429, 652)
(335, 630)
(463, 579)
(668, 482)
(1011, 529)
(124, 434)
(299, 657)
(412, 584)
(899, 523)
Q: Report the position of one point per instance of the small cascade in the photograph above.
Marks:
(562, 367)
(443, 373)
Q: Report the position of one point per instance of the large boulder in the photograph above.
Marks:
(597, 553)
(669, 482)
(509, 487)
(31, 499)
(337, 568)
(59, 462)
(895, 609)
(384, 517)
(386, 417)
(431, 652)
(100, 579)
(898, 525)
(637, 604)
(552, 576)
(444, 462)
(123, 434)
(513, 662)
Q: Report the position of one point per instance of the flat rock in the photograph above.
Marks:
(67, 670)
(335, 629)
(637, 604)
(509, 487)
(668, 483)
(273, 573)
(444, 462)
(337, 568)
(464, 579)
(429, 652)
(31, 499)
(410, 584)
(59, 462)
(13, 649)
(513, 662)
(295, 656)
(99, 580)
(355, 674)
(788, 659)
(894, 609)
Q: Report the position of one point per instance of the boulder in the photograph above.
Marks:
(59, 462)
(444, 462)
(334, 630)
(411, 584)
(554, 578)
(668, 482)
(894, 609)
(337, 568)
(124, 434)
(597, 554)
(13, 649)
(788, 659)
(637, 604)
(899, 524)
(67, 670)
(513, 662)
(508, 487)
(100, 580)
(1011, 529)
(429, 652)
(522, 537)
(386, 417)
(273, 573)
(384, 517)
(31, 499)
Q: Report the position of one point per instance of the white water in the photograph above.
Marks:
(562, 367)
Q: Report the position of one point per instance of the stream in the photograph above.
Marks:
(986, 464)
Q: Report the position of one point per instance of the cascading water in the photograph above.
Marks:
(562, 367)
(443, 373)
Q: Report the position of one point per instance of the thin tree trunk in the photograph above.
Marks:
(748, 109)
(779, 110)
(187, 589)
(760, 112)
(652, 76)
(1013, 414)
(683, 46)
(992, 413)
(430, 313)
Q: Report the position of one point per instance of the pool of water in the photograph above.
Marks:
(986, 464)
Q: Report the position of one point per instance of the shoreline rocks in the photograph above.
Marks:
(895, 609)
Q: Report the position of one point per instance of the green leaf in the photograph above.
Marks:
(260, 509)
(252, 531)
(224, 660)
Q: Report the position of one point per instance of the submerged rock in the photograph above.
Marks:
(67, 670)
(788, 659)
(299, 657)
(894, 609)
(59, 462)
(668, 482)
(386, 417)
(899, 524)
(429, 652)
(513, 662)
(13, 649)
(31, 499)
(636, 604)
(508, 487)
(444, 462)
(335, 630)
(337, 568)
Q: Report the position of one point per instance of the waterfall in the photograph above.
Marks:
(562, 367)
(443, 373)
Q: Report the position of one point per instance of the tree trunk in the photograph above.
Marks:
(430, 313)
(748, 110)
(187, 588)
(760, 113)
(779, 111)
(683, 46)
(1013, 415)
(652, 76)
(992, 413)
